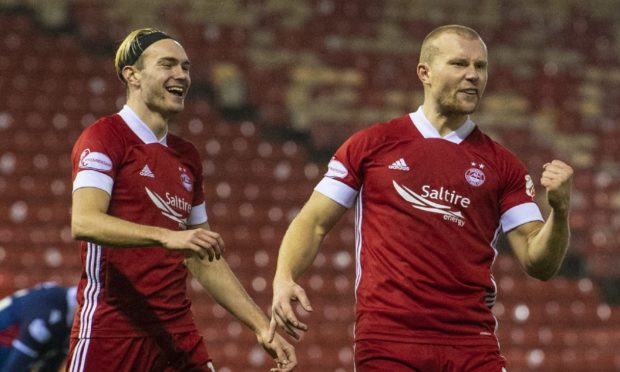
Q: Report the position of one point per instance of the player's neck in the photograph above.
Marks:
(445, 124)
(154, 120)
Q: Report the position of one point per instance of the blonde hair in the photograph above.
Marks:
(428, 51)
(130, 50)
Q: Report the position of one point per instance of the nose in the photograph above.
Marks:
(180, 73)
(472, 74)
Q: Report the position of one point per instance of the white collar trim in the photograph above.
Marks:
(140, 128)
(427, 129)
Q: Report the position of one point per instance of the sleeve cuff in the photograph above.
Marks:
(198, 215)
(520, 214)
(91, 178)
(337, 191)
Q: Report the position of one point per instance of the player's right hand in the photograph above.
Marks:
(204, 243)
(285, 292)
(556, 178)
(281, 351)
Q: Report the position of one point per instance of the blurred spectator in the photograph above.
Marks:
(34, 327)
(231, 92)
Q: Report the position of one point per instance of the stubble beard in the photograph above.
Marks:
(165, 109)
(452, 108)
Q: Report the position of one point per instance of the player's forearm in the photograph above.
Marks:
(547, 247)
(112, 231)
(300, 246)
(222, 284)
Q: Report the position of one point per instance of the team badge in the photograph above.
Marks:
(530, 190)
(186, 180)
(475, 176)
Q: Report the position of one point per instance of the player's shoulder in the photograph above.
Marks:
(181, 144)
(381, 132)
(183, 147)
(106, 126)
(390, 127)
(495, 149)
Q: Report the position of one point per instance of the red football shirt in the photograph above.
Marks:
(428, 210)
(136, 291)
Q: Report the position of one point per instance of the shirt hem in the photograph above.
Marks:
(449, 340)
(133, 333)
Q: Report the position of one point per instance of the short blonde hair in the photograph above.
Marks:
(428, 51)
(130, 50)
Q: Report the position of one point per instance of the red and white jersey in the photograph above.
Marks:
(136, 291)
(428, 210)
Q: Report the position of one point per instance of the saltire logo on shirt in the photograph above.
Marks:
(423, 202)
(166, 209)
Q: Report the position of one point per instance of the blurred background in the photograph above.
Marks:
(277, 86)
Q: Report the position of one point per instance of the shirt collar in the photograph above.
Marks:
(427, 129)
(140, 128)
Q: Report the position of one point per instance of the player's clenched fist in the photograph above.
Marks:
(205, 243)
(557, 179)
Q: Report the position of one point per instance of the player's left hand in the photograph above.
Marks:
(281, 351)
(557, 180)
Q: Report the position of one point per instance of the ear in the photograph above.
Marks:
(424, 72)
(131, 75)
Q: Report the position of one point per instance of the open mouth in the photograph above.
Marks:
(470, 92)
(177, 91)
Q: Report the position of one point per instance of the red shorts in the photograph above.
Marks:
(376, 356)
(168, 353)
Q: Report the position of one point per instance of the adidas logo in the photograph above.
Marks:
(399, 165)
(146, 172)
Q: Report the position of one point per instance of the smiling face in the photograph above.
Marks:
(455, 74)
(161, 77)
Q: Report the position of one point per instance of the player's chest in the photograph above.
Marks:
(156, 174)
(435, 176)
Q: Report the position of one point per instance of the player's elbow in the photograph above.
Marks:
(544, 268)
(77, 231)
(81, 228)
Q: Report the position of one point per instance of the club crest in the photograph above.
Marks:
(186, 180)
(475, 176)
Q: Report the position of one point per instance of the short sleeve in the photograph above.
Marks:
(198, 214)
(96, 157)
(344, 176)
(517, 205)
